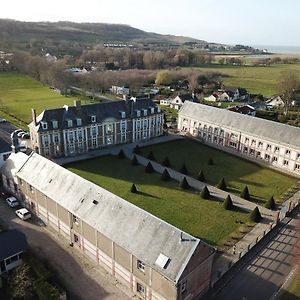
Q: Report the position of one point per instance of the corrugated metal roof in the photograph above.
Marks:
(268, 130)
(132, 228)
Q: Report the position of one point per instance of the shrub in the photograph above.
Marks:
(166, 162)
(45, 290)
(121, 154)
(222, 184)
(210, 161)
(137, 149)
(134, 161)
(133, 189)
(183, 183)
(201, 176)
(151, 156)
(255, 215)
(149, 168)
(245, 193)
(165, 176)
(183, 170)
(228, 204)
(271, 204)
(205, 194)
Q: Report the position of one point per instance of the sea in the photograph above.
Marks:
(280, 49)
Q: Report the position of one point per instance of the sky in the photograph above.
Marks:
(251, 22)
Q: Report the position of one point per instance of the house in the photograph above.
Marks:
(245, 110)
(154, 259)
(220, 95)
(271, 142)
(13, 245)
(259, 105)
(165, 102)
(240, 94)
(120, 90)
(275, 102)
(80, 128)
(178, 101)
(211, 98)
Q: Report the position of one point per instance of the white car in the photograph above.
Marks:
(23, 214)
(12, 202)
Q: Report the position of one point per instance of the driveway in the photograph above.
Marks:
(81, 277)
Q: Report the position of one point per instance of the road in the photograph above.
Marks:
(79, 276)
(5, 131)
(266, 270)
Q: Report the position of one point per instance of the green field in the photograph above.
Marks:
(258, 80)
(262, 182)
(20, 93)
(205, 219)
(293, 290)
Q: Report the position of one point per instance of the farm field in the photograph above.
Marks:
(206, 219)
(262, 182)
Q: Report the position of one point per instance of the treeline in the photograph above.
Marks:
(275, 60)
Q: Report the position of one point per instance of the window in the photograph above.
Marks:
(276, 149)
(152, 110)
(220, 141)
(233, 144)
(21, 181)
(246, 140)
(94, 143)
(158, 109)
(260, 144)
(30, 188)
(253, 142)
(297, 167)
(76, 238)
(140, 265)
(274, 160)
(44, 125)
(286, 162)
(140, 288)
(123, 125)
(71, 136)
(70, 123)
(183, 287)
(145, 123)
(56, 138)
(94, 131)
(14, 258)
(145, 112)
(216, 130)
(267, 157)
(78, 121)
(269, 147)
(93, 119)
(245, 149)
(138, 113)
(54, 124)
(75, 220)
(109, 128)
(80, 134)
(287, 152)
(298, 156)
(122, 114)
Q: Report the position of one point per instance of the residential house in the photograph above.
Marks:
(274, 143)
(244, 109)
(154, 259)
(211, 98)
(120, 90)
(241, 94)
(13, 245)
(178, 101)
(80, 128)
(165, 102)
(275, 102)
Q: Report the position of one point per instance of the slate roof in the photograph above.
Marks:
(102, 111)
(4, 146)
(12, 242)
(265, 129)
(137, 231)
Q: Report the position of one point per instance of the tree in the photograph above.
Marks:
(287, 84)
(165, 176)
(134, 161)
(121, 154)
(133, 189)
(151, 156)
(210, 161)
(137, 149)
(222, 184)
(183, 169)
(201, 176)
(271, 204)
(183, 183)
(245, 193)
(255, 215)
(228, 204)
(205, 194)
(163, 78)
(149, 168)
(166, 162)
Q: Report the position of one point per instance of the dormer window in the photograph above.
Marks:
(78, 121)
(138, 113)
(93, 119)
(145, 112)
(122, 114)
(152, 110)
(158, 109)
(44, 125)
(54, 124)
(70, 123)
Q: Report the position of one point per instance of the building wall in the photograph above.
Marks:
(272, 152)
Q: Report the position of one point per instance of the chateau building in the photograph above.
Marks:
(156, 260)
(274, 143)
(78, 129)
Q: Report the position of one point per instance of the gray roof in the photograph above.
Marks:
(132, 228)
(268, 130)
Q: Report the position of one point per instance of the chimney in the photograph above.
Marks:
(77, 104)
(33, 112)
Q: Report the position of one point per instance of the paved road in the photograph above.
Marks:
(80, 277)
(265, 271)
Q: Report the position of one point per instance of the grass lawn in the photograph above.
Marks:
(205, 219)
(258, 80)
(262, 182)
(293, 290)
(20, 93)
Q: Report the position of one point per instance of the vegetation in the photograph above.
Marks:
(262, 182)
(205, 194)
(121, 154)
(228, 204)
(151, 156)
(137, 150)
(166, 162)
(210, 161)
(200, 176)
(255, 215)
(133, 189)
(183, 183)
(165, 176)
(149, 168)
(293, 290)
(222, 184)
(134, 161)
(183, 170)
(271, 204)
(245, 193)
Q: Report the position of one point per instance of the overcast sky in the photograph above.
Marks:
(258, 22)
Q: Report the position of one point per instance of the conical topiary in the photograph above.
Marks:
(134, 161)
(205, 194)
(201, 176)
(133, 189)
(183, 183)
(166, 162)
(121, 154)
(255, 215)
(137, 149)
(271, 204)
(245, 193)
(165, 176)
(210, 161)
(183, 170)
(222, 184)
(151, 156)
(149, 168)
(228, 204)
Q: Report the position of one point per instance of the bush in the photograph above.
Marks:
(245, 193)
(151, 156)
(210, 161)
(121, 154)
(201, 176)
(149, 168)
(183, 170)
(228, 204)
(137, 150)
(133, 189)
(183, 183)
(134, 161)
(166, 162)
(255, 215)
(222, 184)
(45, 290)
(165, 176)
(205, 194)
(271, 204)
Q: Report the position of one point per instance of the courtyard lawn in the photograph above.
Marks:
(293, 290)
(205, 219)
(262, 182)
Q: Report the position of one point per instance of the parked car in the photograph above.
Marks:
(12, 201)
(23, 214)
(25, 135)
(2, 120)
(20, 133)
